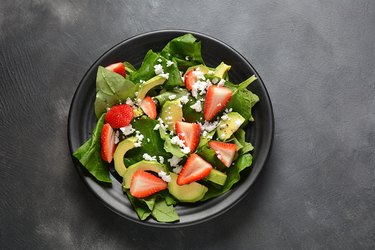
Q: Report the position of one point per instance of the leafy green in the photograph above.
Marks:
(152, 143)
(141, 207)
(209, 155)
(191, 115)
(89, 154)
(129, 67)
(163, 212)
(147, 70)
(185, 50)
(246, 147)
(244, 84)
(233, 176)
(242, 102)
(168, 146)
(111, 88)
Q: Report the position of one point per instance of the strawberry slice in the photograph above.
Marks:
(144, 184)
(194, 169)
(224, 151)
(149, 107)
(108, 143)
(118, 68)
(189, 133)
(119, 116)
(216, 100)
(190, 79)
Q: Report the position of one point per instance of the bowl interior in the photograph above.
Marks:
(82, 121)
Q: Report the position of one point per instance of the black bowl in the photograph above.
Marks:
(82, 121)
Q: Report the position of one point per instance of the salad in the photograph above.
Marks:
(173, 129)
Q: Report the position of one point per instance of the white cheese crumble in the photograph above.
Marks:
(224, 117)
(215, 80)
(158, 69)
(166, 75)
(199, 74)
(159, 60)
(177, 169)
(161, 159)
(127, 130)
(200, 87)
(184, 99)
(169, 63)
(221, 83)
(209, 126)
(187, 58)
(211, 72)
(222, 135)
(185, 150)
(129, 101)
(172, 97)
(157, 126)
(238, 123)
(148, 157)
(117, 134)
(148, 140)
(205, 133)
(166, 177)
(197, 106)
(174, 161)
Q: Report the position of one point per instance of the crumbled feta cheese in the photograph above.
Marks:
(175, 140)
(157, 126)
(159, 60)
(187, 58)
(174, 161)
(148, 157)
(158, 69)
(224, 117)
(197, 106)
(137, 144)
(142, 81)
(164, 176)
(215, 80)
(221, 83)
(219, 156)
(127, 130)
(136, 93)
(209, 126)
(161, 159)
(108, 109)
(222, 135)
(199, 74)
(148, 140)
(204, 134)
(238, 123)
(169, 63)
(177, 169)
(171, 97)
(185, 150)
(200, 87)
(184, 99)
(117, 134)
(211, 72)
(166, 75)
(129, 101)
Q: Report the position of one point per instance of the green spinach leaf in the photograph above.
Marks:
(163, 212)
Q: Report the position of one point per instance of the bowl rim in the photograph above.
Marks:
(255, 175)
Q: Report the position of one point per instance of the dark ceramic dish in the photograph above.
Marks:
(82, 120)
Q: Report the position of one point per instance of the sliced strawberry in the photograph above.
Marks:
(119, 116)
(216, 100)
(144, 184)
(194, 169)
(149, 107)
(189, 133)
(224, 151)
(190, 79)
(108, 143)
(118, 68)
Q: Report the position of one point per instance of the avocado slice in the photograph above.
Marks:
(222, 70)
(120, 151)
(142, 165)
(146, 86)
(171, 112)
(227, 127)
(217, 177)
(192, 192)
(201, 67)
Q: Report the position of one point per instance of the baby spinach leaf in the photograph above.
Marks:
(163, 212)
(152, 143)
(140, 206)
(89, 154)
(186, 51)
(111, 88)
(168, 146)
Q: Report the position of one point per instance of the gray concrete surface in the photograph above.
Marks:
(317, 59)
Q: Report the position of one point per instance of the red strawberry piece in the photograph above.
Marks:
(108, 143)
(194, 169)
(189, 133)
(149, 107)
(144, 184)
(216, 100)
(119, 116)
(118, 68)
(190, 79)
(224, 151)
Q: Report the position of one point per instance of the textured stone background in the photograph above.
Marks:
(317, 59)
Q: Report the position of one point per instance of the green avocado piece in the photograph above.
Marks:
(222, 70)
(142, 165)
(227, 127)
(146, 86)
(171, 112)
(120, 151)
(192, 192)
(201, 67)
(217, 177)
